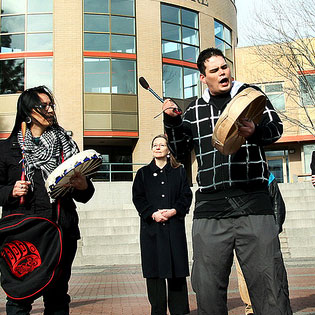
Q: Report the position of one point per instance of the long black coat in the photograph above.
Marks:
(163, 245)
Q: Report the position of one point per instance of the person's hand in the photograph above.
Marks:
(158, 216)
(313, 180)
(246, 127)
(20, 188)
(168, 107)
(78, 181)
(168, 213)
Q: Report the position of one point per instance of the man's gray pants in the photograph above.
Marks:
(256, 243)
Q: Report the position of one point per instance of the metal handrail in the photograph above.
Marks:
(110, 171)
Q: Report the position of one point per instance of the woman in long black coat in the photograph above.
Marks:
(162, 196)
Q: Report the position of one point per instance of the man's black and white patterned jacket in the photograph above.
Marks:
(247, 167)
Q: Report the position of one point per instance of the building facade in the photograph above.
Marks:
(289, 158)
(91, 54)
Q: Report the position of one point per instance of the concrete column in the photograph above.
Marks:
(68, 66)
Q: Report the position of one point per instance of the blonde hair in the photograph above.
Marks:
(174, 163)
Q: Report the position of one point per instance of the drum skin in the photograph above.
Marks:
(250, 104)
(86, 162)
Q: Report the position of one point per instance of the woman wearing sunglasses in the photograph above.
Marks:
(45, 145)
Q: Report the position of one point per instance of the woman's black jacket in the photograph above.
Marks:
(10, 172)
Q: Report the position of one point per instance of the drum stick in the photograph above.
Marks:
(23, 130)
(143, 82)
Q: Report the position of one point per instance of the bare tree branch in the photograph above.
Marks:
(287, 45)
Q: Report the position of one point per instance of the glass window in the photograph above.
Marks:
(219, 44)
(223, 40)
(228, 51)
(269, 88)
(277, 100)
(13, 24)
(307, 87)
(123, 76)
(180, 40)
(191, 82)
(170, 14)
(274, 91)
(39, 72)
(172, 81)
(190, 53)
(39, 22)
(123, 7)
(190, 36)
(276, 168)
(189, 18)
(31, 32)
(218, 30)
(171, 50)
(96, 42)
(96, 23)
(171, 32)
(125, 44)
(96, 6)
(122, 25)
(39, 42)
(11, 76)
(308, 151)
(227, 36)
(13, 6)
(96, 75)
(12, 43)
(187, 37)
(35, 6)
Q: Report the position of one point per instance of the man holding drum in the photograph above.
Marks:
(233, 210)
(44, 145)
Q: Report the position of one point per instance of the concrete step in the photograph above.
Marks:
(291, 194)
(110, 222)
(108, 213)
(302, 251)
(109, 230)
(293, 232)
(111, 239)
(114, 249)
(299, 223)
(300, 214)
(99, 260)
(302, 241)
(296, 205)
(110, 225)
(295, 187)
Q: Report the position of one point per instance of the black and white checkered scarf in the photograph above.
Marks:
(47, 155)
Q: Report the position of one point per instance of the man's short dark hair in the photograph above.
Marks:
(206, 54)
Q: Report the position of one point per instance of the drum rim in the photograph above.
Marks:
(219, 139)
(62, 170)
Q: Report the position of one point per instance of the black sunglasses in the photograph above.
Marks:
(45, 106)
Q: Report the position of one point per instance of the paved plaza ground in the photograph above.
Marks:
(120, 290)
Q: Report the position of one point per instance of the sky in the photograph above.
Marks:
(245, 10)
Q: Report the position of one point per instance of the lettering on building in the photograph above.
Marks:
(203, 2)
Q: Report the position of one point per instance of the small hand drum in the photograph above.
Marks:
(86, 162)
(249, 103)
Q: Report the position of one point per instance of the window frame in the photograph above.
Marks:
(307, 99)
(181, 27)
(110, 76)
(225, 42)
(110, 32)
(262, 86)
(26, 14)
